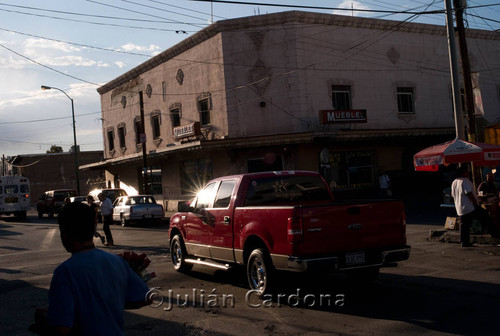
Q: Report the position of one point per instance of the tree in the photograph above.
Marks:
(55, 149)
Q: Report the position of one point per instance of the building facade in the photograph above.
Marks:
(57, 171)
(345, 96)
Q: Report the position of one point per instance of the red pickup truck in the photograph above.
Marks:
(285, 221)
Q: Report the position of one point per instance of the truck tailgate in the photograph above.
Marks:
(350, 227)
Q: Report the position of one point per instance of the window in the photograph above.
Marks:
(223, 197)
(205, 196)
(405, 100)
(111, 140)
(121, 136)
(175, 117)
(154, 184)
(286, 190)
(164, 90)
(155, 121)
(351, 170)
(204, 106)
(11, 189)
(138, 130)
(341, 97)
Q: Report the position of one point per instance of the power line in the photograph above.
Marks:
(48, 119)
(90, 22)
(76, 44)
(87, 15)
(137, 12)
(47, 67)
(320, 7)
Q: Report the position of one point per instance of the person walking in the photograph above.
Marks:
(90, 290)
(467, 205)
(107, 218)
(95, 207)
(385, 184)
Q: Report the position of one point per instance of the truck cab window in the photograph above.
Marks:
(224, 194)
(205, 196)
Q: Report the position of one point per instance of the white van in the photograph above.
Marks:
(15, 196)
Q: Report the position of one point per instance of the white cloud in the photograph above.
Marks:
(33, 43)
(348, 5)
(66, 61)
(120, 64)
(130, 47)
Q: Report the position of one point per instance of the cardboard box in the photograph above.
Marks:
(451, 223)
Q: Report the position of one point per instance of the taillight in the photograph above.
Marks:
(294, 230)
(131, 210)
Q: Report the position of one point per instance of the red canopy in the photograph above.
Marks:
(457, 151)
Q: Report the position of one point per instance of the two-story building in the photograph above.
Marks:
(341, 95)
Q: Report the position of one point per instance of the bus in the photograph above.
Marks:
(14, 196)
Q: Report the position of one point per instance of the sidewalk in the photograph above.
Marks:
(453, 236)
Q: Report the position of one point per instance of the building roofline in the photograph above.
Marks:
(259, 21)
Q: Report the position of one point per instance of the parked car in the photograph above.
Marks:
(136, 208)
(111, 193)
(52, 201)
(78, 199)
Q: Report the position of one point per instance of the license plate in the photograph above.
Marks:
(355, 258)
(148, 216)
(11, 200)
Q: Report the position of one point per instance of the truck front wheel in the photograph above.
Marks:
(178, 254)
(259, 272)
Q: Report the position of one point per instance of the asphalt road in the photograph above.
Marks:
(442, 290)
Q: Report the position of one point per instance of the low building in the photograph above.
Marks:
(57, 171)
(345, 96)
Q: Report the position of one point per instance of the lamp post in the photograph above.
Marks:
(44, 87)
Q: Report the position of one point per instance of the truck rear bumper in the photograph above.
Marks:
(337, 262)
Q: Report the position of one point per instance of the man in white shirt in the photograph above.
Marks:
(107, 218)
(467, 205)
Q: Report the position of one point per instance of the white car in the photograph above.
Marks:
(136, 208)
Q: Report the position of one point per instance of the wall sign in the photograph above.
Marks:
(345, 116)
(186, 131)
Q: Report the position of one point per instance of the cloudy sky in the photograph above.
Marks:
(79, 45)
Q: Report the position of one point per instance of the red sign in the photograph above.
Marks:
(344, 116)
(186, 131)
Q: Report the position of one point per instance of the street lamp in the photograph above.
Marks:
(44, 87)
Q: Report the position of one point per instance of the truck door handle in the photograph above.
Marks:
(227, 220)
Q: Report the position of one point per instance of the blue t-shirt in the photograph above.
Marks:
(89, 291)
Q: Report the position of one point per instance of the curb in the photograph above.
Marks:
(449, 236)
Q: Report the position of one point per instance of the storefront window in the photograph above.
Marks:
(194, 175)
(350, 170)
(153, 180)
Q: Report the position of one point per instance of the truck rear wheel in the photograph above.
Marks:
(260, 272)
(178, 254)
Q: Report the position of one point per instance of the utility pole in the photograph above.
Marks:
(455, 83)
(464, 55)
(143, 142)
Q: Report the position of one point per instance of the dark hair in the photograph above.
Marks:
(77, 220)
(462, 170)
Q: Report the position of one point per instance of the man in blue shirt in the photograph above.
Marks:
(90, 290)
